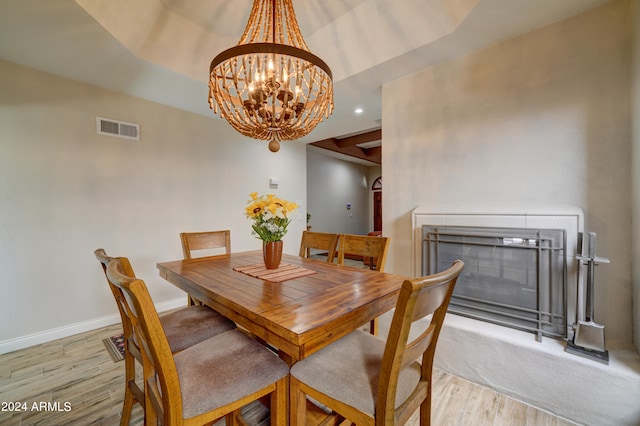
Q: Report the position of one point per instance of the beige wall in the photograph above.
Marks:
(65, 191)
(635, 195)
(540, 119)
(331, 184)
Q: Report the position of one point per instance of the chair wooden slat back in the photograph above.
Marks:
(371, 248)
(193, 241)
(154, 346)
(199, 241)
(365, 246)
(418, 299)
(320, 241)
(132, 352)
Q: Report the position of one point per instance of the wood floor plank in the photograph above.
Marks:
(10, 421)
(481, 406)
(450, 408)
(510, 412)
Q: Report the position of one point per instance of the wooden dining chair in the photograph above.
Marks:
(373, 248)
(372, 382)
(205, 242)
(183, 327)
(319, 241)
(365, 246)
(207, 381)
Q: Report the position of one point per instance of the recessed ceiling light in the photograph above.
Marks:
(358, 110)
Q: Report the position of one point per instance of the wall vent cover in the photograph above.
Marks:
(120, 129)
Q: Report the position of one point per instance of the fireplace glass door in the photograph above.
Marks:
(512, 277)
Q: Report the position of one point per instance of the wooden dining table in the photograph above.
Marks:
(298, 315)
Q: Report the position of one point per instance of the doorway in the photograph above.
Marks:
(376, 187)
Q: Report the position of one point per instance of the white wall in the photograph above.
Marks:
(540, 119)
(331, 184)
(65, 191)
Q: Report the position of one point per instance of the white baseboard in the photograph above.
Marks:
(45, 336)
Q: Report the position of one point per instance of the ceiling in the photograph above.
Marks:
(160, 49)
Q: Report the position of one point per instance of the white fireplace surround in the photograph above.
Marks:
(513, 362)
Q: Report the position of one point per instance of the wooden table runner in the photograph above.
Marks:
(284, 272)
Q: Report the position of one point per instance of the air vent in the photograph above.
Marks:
(119, 129)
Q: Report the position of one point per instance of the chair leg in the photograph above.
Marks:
(234, 419)
(129, 398)
(373, 327)
(278, 406)
(127, 406)
(298, 402)
(150, 413)
(425, 409)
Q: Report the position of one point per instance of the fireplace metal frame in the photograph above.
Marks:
(548, 246)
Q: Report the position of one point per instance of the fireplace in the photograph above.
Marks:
(510, 360)
(515, 277)
(520, 265)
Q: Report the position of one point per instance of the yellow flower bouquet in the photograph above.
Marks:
(269, 214)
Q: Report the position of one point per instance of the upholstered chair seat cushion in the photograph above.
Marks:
(348, 371)
(210, 371)
(188, 326)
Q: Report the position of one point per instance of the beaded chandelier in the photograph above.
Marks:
(270, 86)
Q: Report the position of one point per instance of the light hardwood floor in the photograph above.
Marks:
(79, 372)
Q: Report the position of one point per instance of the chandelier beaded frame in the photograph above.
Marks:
(270, 86)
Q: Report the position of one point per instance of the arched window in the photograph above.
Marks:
(377, 184)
